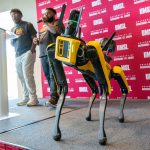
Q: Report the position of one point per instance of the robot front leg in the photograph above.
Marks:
(57, 131)
(60, 78)
(90, 81)
(102, 109)
(63, 90)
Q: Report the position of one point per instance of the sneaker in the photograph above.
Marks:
(52, 102)
(22, 103)
(31, 103)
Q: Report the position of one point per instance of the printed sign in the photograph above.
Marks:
(100, 18)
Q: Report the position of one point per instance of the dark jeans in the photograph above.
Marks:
(58, 71)
(49, 76)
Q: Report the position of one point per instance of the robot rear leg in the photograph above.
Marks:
(90, 81)
(118, 74)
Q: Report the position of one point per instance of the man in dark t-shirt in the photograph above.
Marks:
(25, 57)
(47, 35)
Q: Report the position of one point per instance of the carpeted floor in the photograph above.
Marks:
(34, 127)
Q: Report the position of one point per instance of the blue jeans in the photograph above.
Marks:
(49, 76)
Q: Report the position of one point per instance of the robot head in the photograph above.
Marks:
(110, 48)
(71, 29)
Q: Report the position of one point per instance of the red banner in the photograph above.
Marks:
(100, 18)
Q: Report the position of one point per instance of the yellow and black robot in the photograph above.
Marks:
(92, 60)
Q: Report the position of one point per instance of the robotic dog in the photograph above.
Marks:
(90, 60)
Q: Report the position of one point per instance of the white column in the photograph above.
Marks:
(3, 76)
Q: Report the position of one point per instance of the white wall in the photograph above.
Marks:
(28, 9)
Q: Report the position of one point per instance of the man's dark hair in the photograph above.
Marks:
(15, 10)
(51, 9)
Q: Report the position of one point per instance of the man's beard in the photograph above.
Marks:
(50, 19)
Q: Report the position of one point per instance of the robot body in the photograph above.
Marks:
(91, 61)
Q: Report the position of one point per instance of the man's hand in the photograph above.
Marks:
(35, 40)
(45, 19)
(52, 27)
(56, 26)
(34, 43)
(33, 50)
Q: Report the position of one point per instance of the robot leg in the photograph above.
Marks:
(100, 76)
(90, 81)
(61, 81)
(118, 74)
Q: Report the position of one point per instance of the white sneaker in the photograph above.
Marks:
(31, 103)
(22, 103)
